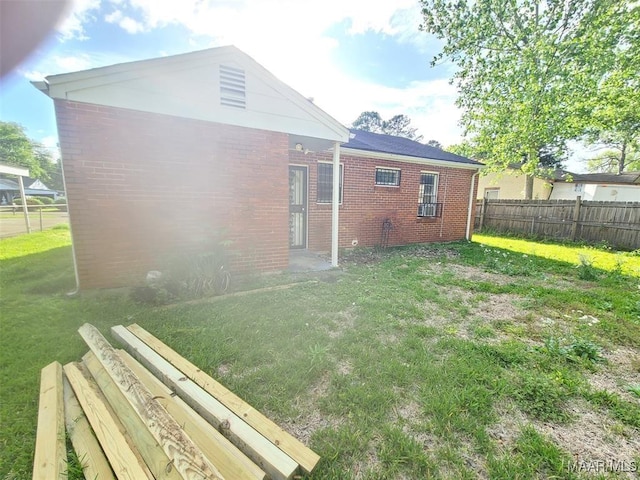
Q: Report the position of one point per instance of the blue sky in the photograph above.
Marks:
(349, 55)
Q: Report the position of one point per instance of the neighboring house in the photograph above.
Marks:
(162, 154)
(9, 189)
(604, 187)
(510, 185)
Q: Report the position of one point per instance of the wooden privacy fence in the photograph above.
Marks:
(616, 223)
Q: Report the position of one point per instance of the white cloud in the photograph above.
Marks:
(131, 26)
(32, 75)
(80, 12)
(127, 23)
(289, 38)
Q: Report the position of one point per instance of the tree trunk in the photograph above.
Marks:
(623, 157)
(528, 187)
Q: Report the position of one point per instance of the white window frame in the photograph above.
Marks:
(434, 200)
(341, 183)
(388, 169)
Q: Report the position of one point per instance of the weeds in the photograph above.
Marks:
(392, 371)
(585, 268)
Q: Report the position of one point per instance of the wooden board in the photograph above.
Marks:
(304, 456)
(230, 461)
(125, 462)
(50, 460)
(185, 457)
(93, 460)
(153, 455)
(264, 453)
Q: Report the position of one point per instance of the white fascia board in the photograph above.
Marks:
(11, 170)
(409, 159)
(102, 75)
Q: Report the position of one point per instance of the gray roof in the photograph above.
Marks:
(379, 142)
(6, 184)
(627, 178)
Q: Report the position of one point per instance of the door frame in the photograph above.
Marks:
(305, 206)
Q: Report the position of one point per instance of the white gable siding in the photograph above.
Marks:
(189, 86)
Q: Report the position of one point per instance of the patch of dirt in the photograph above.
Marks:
(344, 367)
(368, 256)
(501, 306)
(489, 310)
(591, 437)
(619, 372)
(346, 321)
(224, 369)
(476, 274)
(303, 426)
(594, 437)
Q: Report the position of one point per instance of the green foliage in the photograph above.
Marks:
(379, 362)
(541, 396)
(573, 350)
(61, 201)
(586, 270)
(524, 67)
(623, 410)
(609, 161)
(17, 149)
(534, 456)
(30, 201)
(635, 389)
(43, 200)
(398, 125)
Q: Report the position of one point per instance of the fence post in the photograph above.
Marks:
(483, 207)
(40, 218)
(576, 218)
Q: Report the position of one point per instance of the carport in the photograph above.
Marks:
(19, 172)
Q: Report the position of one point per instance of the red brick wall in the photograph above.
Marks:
(365, 206)
(144, 186)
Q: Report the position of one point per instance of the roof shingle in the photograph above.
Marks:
(379, 142)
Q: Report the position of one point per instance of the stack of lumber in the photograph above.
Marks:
(149, 413)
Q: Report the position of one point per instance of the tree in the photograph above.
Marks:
(398, 125)
(615, 116)
(521, 68)
(17, 149)
(369, 122)
(434, 143)
(608, 161)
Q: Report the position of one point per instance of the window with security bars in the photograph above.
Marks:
(428, 205)
(325, 183)
(389, 177)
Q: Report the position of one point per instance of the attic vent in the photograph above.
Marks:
(232, 87)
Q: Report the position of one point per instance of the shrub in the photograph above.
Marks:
(586, 270)
(44, 200)
(62, 202)
(31, 202)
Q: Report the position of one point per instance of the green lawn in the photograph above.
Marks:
(494, 359)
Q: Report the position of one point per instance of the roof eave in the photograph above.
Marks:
(410, 159)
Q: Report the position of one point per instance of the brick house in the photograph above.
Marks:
(161, 154)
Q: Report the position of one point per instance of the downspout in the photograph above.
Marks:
(335, 205)
(470, 208)
(76, 291)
